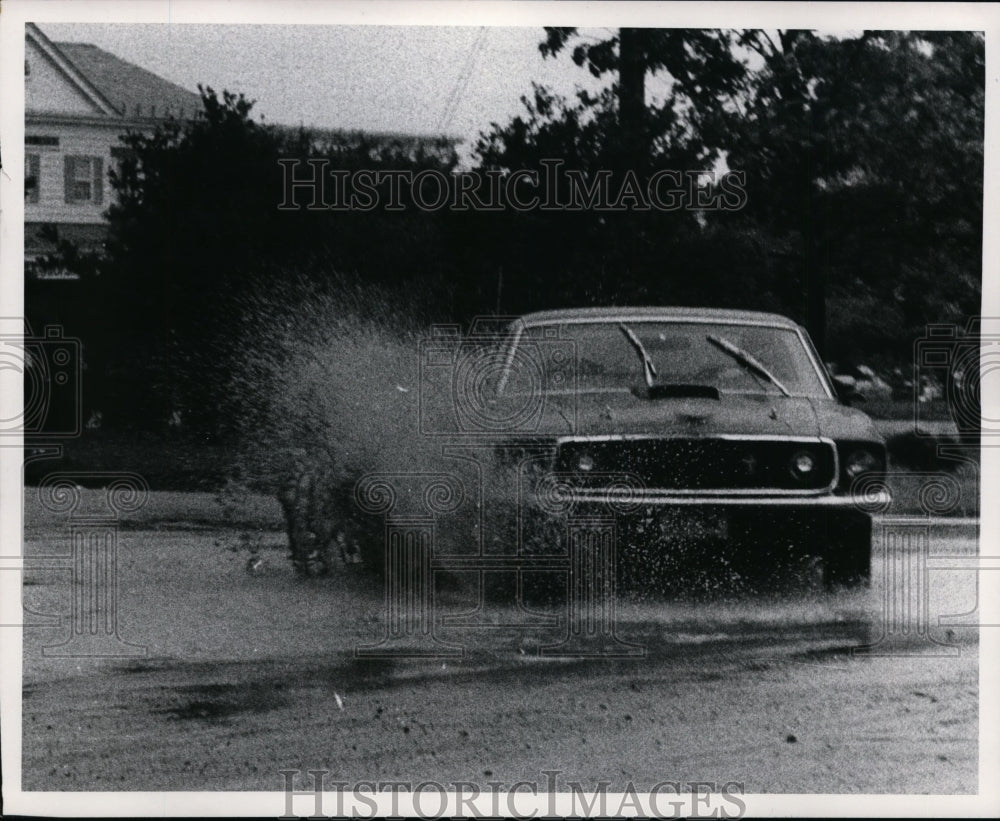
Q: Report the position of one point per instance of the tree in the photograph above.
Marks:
(592, 256)
(701, 64)
(863, 159)
(196, 232)
(192, 217)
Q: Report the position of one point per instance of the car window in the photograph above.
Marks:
(681, 353)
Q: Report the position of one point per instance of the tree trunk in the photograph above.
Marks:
(632, 97)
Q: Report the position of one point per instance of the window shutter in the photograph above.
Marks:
(98, 180)
(68, 177)
(33, 173)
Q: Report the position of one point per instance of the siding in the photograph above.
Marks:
(74, 140)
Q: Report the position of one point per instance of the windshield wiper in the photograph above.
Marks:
(748, 361)
(648, 368)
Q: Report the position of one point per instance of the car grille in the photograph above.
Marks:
(705, 464)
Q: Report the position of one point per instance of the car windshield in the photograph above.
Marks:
(681, 353)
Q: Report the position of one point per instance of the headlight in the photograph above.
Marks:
(585, 462)
(860, 461)
(803, 464)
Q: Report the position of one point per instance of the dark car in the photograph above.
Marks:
(714, 435)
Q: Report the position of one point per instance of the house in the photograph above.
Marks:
(79, 100)
(403, 147)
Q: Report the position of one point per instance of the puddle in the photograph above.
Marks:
(210, 702)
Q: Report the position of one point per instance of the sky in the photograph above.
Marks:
(425, 80)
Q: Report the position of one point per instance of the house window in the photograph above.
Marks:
(32, 171)
(36, 139)
(84, 178)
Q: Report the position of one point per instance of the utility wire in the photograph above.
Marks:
(462, 81)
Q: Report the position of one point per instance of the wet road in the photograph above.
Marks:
(240, 675)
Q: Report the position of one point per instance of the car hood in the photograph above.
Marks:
(594, 413)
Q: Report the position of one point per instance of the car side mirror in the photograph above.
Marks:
(847, 391)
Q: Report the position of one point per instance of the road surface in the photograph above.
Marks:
(237, 675)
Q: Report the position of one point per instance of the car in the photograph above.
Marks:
(716, 437)
(715, 440)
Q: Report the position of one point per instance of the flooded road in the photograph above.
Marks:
(231, 676)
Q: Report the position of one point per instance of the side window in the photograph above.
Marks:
(32, 172)
(84, 179)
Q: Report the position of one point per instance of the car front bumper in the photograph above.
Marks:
(623, 502)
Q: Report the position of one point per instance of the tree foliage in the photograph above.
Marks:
(863, 165)
(864, 170)
(861, 159)
(196, 231)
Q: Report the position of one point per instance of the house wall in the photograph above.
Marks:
(46, 88)
(73, 140)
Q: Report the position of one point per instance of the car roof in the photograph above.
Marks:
(619, 313)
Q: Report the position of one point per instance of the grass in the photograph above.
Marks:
(958, 495)
(238, 508)
(166, 460)
(167, 509)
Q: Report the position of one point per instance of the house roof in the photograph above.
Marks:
(134, 92)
